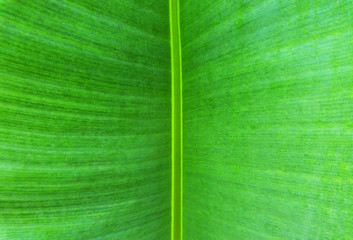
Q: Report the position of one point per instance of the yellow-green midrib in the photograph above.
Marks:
(176, 71)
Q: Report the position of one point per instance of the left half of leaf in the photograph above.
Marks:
(84, 119)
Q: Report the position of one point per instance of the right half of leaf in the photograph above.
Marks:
(268, 119)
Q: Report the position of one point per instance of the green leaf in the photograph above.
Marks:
(117, 121)
(84, 119)
(267, 113)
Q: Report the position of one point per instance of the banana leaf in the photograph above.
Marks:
(120, 118)
(84, 120)
(268, 112)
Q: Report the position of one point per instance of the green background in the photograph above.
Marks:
(84, 119)
(268, 119)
